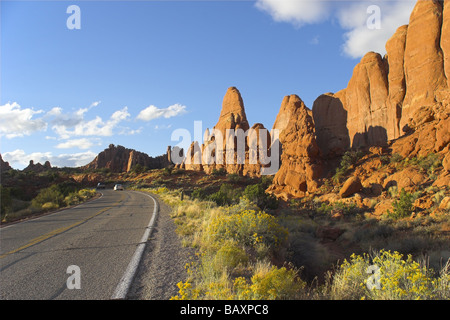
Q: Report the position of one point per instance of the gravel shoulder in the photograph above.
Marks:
(163, 261)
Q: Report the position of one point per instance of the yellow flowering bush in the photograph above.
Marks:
(386, 276)
(247, 228)
(275, 283)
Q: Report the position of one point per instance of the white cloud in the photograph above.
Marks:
(297, 12)
(82, 143)
(352, 16)
(68, 126)
(18, 122)
(360, 39)
(20, 159)
(152, 112)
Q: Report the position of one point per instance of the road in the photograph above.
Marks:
(99, 237)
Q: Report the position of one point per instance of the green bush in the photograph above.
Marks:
(199, 193)
(48, 195)
(138, 169)
(227, 195)
(60, 195)
(403, 207)
(5, 200)
(257, 194)
(350, 158)
(219, 172)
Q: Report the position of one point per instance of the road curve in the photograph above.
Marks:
(100, 238)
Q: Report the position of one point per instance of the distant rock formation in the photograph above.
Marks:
(38, 167)
(231, 145)
(4, 166)
(121, 159)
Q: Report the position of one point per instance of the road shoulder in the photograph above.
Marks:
(163, 261)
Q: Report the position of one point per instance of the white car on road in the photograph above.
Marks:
(118, 187)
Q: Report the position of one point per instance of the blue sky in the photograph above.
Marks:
(138, 70)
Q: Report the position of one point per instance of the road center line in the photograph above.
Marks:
(58, 231)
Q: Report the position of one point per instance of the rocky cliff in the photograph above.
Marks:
(121, 159)
(4, 166)
(384, 94)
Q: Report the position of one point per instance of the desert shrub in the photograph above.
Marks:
(428, 163)
(234, 177)
(199, 193)
(386, 275)
(60, 195)
(257, 194)
(49, 206)
(396, 158)
(269, 283)
(350, 158)
(51, 194)
(5, 200)
(227, 195)
(248, 228)
(403, 207)
(229, 256)
(324, 208)
(219, 172)
(266, 181)
(138, 169)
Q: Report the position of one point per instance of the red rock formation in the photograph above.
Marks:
(120, 159)
(424, 60)
(4, 166)
(330, 119)
(231, 144)
(395, 48)
(366, 95)
(445, 39)
(301, 164)
(38, 167)
(388, 97)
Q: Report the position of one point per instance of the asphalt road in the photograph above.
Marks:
(99, 237)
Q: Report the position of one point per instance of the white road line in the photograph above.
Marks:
(124, 285)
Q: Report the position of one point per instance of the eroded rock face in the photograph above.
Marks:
(330, 120)
(121, 159)
(424, 59)
(232, 115)
(395, 49)
(367, 92)
(301, 164)
(388, 97)
(445, 38)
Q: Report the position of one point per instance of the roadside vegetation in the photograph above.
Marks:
(388, 241)
(33, 193)
(306, 248)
